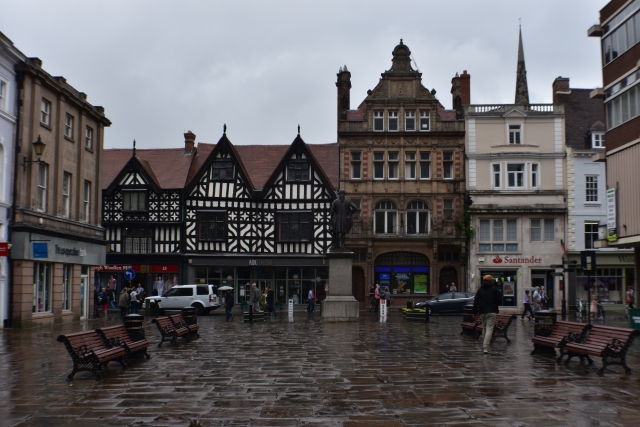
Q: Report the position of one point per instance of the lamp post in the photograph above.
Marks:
(38, 148)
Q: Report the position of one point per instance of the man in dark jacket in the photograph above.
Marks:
(486, 305)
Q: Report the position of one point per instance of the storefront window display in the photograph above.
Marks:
(609, 284)
(403, 280)
(507, 281)
(42, 287)
(162, 283)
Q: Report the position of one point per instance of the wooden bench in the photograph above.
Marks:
(118, 336)
(469, 325)
(89, 353)
(179, 322)
(561, 333)
(500, 329)
(607, 342)
(168, 331)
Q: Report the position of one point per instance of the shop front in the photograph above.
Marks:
(156, 279)
(290, 278)
(405, 274)
(614, 274)
(51, 278)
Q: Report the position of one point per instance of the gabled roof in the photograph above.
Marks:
(172, 169)
(168, 167)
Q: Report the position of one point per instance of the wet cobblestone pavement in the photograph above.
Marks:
(310, 373)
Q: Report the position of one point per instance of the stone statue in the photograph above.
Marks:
(341, 211)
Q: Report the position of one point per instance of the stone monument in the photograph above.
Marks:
(340, 305)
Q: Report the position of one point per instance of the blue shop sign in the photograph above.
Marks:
(40, 250)
(385, 277)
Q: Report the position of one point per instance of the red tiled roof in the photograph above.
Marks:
(169, 167)
(446, 115)
(357, 115)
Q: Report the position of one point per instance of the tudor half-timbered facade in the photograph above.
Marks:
(228, 215)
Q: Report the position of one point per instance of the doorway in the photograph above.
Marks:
(448, 275)
(357, 284)
(84, 296)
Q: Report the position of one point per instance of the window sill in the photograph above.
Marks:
(69, 139)
(46, 126)
(89, 149)
(592, 204)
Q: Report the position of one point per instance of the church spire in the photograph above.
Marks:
(522, 91)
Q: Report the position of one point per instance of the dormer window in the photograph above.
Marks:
(222, 170)
(298, 170)
(597, 140)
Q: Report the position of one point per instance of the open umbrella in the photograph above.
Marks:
(225, 288)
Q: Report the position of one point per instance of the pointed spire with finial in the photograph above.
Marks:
(298, 129)
(134, 148)
(224, 129)
(522, 90)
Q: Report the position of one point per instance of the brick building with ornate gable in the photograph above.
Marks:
(401, 161)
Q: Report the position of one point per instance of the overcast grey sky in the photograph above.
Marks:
(163, 67)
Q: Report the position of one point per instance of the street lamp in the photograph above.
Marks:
(38, 148)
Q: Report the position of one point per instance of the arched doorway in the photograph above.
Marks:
(403, 272)
(358, 285)
(448, 275)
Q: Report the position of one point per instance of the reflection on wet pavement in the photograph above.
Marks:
(310, 373)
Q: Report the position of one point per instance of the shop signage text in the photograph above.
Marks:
(112, 268)
(70, 251)
(506, 259)
(260, 262)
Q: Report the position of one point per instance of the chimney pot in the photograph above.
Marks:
(189, 142)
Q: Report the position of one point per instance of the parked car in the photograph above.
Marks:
(448, 302)
(202, 297)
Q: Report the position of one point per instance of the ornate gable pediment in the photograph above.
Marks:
(514, 112)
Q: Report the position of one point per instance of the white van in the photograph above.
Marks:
(202, 297)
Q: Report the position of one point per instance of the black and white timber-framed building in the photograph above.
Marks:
(220, 214)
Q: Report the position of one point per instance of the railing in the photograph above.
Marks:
(536, 108)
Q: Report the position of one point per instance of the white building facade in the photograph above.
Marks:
(9, 57)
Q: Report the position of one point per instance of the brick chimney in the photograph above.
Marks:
(465, 88)
(344, 88)
(560, 84)
(189, 142)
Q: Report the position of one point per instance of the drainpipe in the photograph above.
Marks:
(8, 323)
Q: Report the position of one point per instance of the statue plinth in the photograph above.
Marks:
(340, 305)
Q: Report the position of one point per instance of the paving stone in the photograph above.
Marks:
(310, 373)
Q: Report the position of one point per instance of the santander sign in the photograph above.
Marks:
(506, 259)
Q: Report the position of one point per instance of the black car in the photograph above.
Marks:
(448, 302)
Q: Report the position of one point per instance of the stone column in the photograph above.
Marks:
(340, 305)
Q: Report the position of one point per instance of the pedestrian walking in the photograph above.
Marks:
(112, 291)
(228, 305)
(372, 298)
(630, 297)
(123, 302)
(376, 295)
(270, 298)
(453, 287)
(536, 299)
(544, 300)
(387, 297)
(311, 306)
(133, 301)
(104, 301)
(486, 304)
(526, 300)
(593, 309)
(255, 298)
(96, 302)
